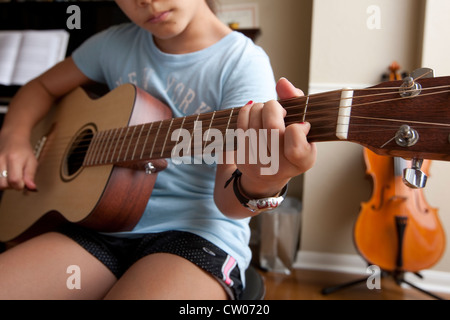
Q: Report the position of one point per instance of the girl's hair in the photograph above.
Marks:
(212, 5)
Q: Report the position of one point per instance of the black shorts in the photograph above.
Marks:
(118, 253)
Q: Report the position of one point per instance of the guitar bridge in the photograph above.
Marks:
(41, 143)
(39, 146)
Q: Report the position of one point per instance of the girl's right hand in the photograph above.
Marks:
(17, 163)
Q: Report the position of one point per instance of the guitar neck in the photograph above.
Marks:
(371, 117)
(155, 140)
(158, 140)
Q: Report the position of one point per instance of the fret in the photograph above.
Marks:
(101, 146)
(123, 143)
(229, 120)
(195, 122)
(104, 146)
(101, 149)
(137, 142)
(208, 130)
(113, 139)
(146, 140)
(91, 150)
(305, 109)
(97, 147)
(155, 139)
(193, 145)
(130, 140)
(175, 142)
(194, 127)
(229, 143)
(181, 128)
(165, 140)
(115, 147)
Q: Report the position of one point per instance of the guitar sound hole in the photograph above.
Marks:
(76, 153)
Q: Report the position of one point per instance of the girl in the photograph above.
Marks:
(192, 239)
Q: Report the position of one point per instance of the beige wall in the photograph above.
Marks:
(345, 51)
(332, 47)
(436, 36)
(344, 48)
(285, 35)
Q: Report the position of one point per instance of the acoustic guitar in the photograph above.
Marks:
(95, 154)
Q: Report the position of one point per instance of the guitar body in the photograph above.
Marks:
(92, 153)
(106, 197)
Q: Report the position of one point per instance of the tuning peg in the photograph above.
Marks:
(411, 88)
(422, 73)
(414, 177)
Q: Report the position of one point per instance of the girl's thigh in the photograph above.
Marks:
(164, 276)
(52, 266)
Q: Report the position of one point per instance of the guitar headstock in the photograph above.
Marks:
(408, 118)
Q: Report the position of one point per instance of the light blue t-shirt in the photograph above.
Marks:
(227, 74)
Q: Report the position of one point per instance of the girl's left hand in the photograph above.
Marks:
(289, 151)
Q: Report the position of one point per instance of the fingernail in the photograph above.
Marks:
(249, 103)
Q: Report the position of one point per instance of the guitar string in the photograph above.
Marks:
(318, 136)
(328, 111)
(336, 100)
(332, 100)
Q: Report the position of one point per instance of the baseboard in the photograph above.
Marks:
(435, 281)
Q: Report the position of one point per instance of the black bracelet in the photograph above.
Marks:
(255, 205)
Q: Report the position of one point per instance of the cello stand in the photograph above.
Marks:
(329, 290)
(398, 278)
(398, 274)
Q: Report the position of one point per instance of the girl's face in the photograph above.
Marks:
(165, 19)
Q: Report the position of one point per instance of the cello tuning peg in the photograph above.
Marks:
(414, 177)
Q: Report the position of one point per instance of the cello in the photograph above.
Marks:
(397, 229)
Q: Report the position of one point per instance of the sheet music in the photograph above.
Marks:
(26, 54)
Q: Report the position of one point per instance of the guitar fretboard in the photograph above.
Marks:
(157, 140)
